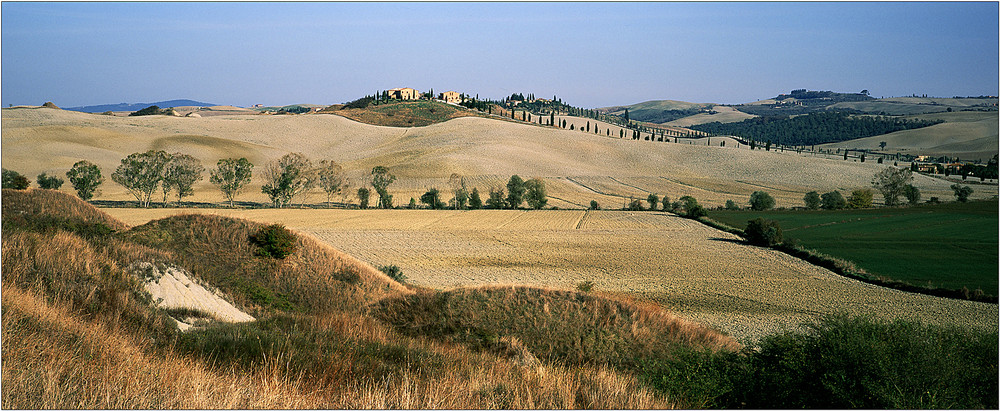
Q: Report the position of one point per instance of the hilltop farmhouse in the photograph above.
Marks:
(451, 97)
(404, 93)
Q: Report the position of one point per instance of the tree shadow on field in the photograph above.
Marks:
(729, 240)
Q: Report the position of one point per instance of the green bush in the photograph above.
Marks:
(763, 232)
(13, 179)
(275, 241)
(839, 362)
(833, 201)
(761, 201)
(812, 200)
(594, 205)
(585, 286)
(394, 272)
(962, 193)
(49, 182)
(843, 362)
(731, 205)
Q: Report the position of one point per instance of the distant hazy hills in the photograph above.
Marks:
(797, 102)
(139, 106)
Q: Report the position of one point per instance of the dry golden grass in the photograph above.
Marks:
(78, 334)
(53, 359)
(694, 271)
(424, 157)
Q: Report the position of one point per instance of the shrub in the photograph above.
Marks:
(585, 286)
(961, 192)
(13, 179)
(696, 211)
(844, 362)
(49, 182)
(594, 205)
(394, 272)
(812, 200)
(433, 199)
(731, 205)
(274, 240)
(653, 200)
(761, 201)
(861, 198)
(763, 232)
(833, 201)
(911, 193)
(634, 205)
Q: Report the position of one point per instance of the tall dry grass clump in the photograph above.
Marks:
(52, 358)
(19, 205)
(560, 326)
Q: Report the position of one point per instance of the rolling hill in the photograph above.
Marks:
(577, 166)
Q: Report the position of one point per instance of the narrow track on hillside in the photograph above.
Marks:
(764, 186)
(592, 189)
(629, 185)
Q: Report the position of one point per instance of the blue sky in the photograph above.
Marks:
(588, 54)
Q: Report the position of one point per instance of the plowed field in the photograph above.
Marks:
(697, 272)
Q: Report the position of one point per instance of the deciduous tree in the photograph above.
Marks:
(515, 191)
(85, 178)
(535, 193)
(331, 178)
(291, 175)
(890, 181)
(180, 174)
(141, 174)
(231, 175)
(381, 178)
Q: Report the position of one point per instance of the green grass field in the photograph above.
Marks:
(951, 245)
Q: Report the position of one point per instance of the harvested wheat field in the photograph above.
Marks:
(486, 151)
(697, 272)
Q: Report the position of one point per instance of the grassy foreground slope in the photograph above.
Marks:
(77, 325)
(950, 245)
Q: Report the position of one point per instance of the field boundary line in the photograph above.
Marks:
(681, 183)
(764, 186)
(592, 189)
(583, 218)
(629, 185)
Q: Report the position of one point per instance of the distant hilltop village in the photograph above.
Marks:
(454, 97)
(406, 93)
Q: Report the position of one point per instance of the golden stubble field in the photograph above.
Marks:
(577, 166)
(695, 271)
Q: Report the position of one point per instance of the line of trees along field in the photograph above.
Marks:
(813, 128)
(147, 173)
